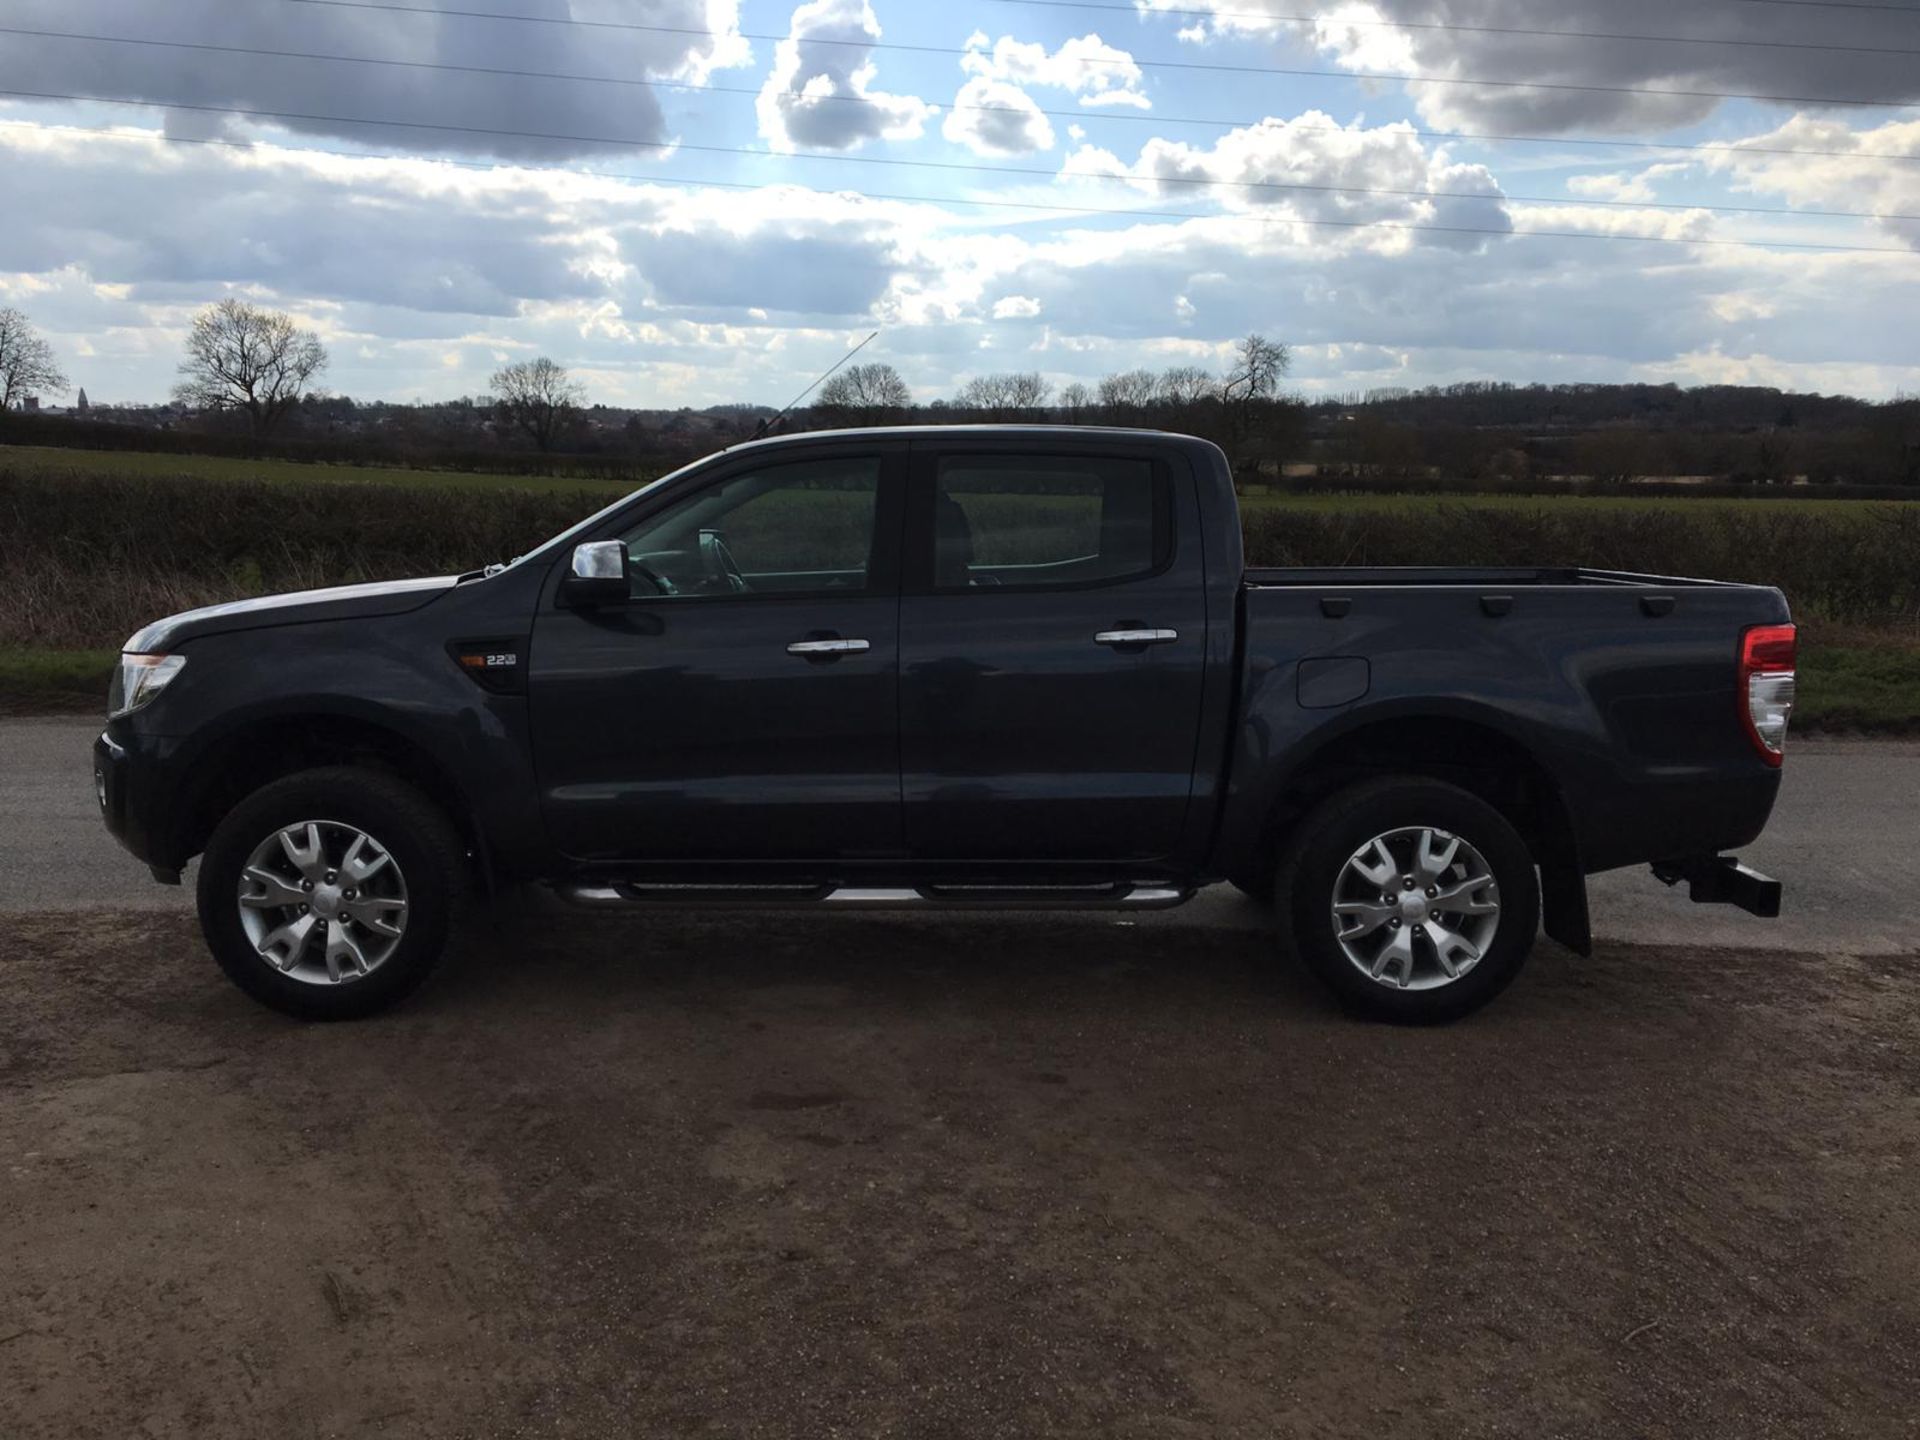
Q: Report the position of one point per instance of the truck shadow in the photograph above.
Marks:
(529, 947)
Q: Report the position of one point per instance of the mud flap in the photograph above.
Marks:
(1563, 907)
(1563, 897)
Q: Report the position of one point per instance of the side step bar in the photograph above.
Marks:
(620, 894)
(1722, 880)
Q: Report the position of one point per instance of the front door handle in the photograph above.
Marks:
(1136, 637)
(828, 647)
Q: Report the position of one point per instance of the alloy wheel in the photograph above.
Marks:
(323, 902)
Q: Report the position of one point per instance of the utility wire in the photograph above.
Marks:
(1461, 28)
(1833, 5)
(756, 186)
(1049, 173)
(1209, 67)
(1685, 147)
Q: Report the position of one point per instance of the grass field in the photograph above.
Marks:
(47, 460)
(180, 531)
(54, 682)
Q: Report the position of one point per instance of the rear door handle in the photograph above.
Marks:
(828, 647)
(1136, 637)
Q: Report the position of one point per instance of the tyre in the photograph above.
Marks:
(329, 894)
(1411, 899)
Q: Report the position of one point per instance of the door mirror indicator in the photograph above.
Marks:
(598, 575)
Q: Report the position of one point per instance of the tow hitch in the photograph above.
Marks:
(1722, 880)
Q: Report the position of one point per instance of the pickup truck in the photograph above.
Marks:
(972, 667)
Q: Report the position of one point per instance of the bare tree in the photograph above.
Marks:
(539, 397)
(1075, 401)
(1258, 425)
(1005, 395)
(1184, 386)
(243, 357)
(1259, 365)
(1127, 393)
(865, 395)
(27, 365)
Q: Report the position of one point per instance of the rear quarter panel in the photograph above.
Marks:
(1635, 716)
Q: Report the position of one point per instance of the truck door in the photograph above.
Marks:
(743, 704)
(1053, 644)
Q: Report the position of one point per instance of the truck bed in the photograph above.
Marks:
(1624, 687)
(1351, 576)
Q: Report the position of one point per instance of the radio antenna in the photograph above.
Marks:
(766, 426)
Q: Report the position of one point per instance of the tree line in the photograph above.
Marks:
(259, 368)
(258, 364)
(1241, 410)
(245, 360)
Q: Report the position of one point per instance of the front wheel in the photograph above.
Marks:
(328, 894)
(1411, 899)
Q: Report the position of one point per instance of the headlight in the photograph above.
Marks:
(138, 679)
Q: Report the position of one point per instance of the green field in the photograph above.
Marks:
(177, 531)
(54, 682)
(47, 460)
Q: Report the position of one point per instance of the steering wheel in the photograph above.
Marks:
(718, 562)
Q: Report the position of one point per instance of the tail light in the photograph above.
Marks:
(1766, 682)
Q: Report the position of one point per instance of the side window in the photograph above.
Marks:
(794, 529)
(1028, 521)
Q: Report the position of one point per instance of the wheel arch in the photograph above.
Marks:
(269, 747)
(1479, 757)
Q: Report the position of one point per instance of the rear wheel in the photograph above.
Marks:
(1411, 899)
(328, 894)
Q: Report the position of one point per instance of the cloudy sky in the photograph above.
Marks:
(696, 201)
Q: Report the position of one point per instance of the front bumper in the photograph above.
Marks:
(126, 790)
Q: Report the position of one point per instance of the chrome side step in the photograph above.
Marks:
(634, 895)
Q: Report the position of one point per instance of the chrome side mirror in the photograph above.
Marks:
(598, 575)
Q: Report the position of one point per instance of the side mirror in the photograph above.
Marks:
(598, 577)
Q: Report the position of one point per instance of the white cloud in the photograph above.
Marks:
(1352, 32)
(1625, 185)
(1091, 160)
(1857, 176)
(819, 93)
(1085, 66)
(1015, 307)
(991, 117)
(1314, 169)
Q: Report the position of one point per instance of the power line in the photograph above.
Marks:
(1024, 171)
(1833, 5)
(1458, 27)
(1471, 136)
(757, 186)
(1209, 67)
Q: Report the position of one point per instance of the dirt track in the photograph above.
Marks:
(886, 1175)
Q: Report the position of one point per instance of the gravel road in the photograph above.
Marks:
(952, 1179)
(961, 1176)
